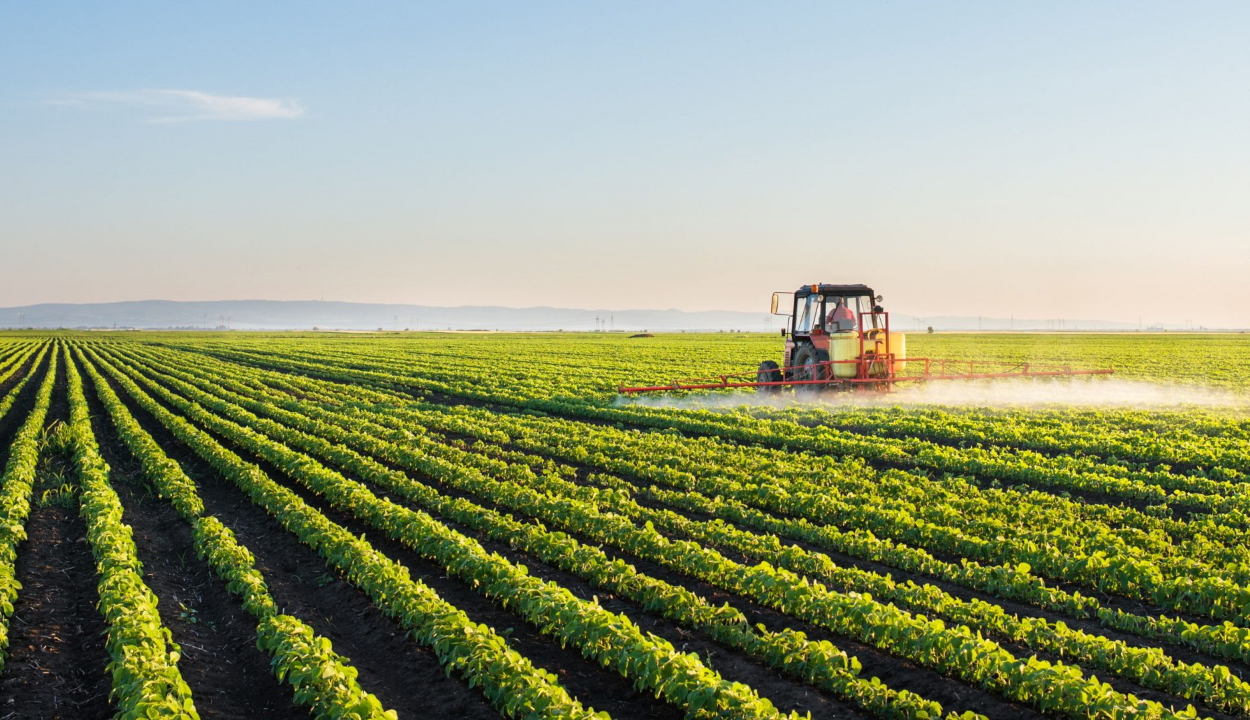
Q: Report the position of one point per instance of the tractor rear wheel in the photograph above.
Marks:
(769, 372)
(806, 367)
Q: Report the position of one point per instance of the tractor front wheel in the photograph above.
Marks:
(769, 372)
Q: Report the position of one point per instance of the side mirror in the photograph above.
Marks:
(880, 298)
(783, 332)
(776, 304)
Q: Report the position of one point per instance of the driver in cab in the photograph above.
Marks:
(840, 318)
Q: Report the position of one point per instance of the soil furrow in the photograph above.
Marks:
(405, 676)
(228, 675)
(56, 669)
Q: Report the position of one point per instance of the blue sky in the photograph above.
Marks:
(1044, 160)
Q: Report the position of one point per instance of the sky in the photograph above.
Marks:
(1045, 160)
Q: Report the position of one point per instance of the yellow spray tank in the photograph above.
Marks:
(844, 351)
(875, 343)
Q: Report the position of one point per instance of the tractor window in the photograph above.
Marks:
(808, 314)
(866, 304)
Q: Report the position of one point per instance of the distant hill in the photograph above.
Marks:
(309, 314)
(305, 315)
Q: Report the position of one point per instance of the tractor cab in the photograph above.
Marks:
(832, 309)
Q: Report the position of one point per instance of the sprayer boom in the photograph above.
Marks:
(825, 374)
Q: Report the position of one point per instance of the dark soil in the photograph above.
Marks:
(895, 672)
(1181, 653)
(954, 696)
(731, 663)
(583, 678)
(405, 676)
(56, 668)
(228, 676)
(57, 661)
(1176, 650)
(17, 376)
(20, 408)
(1113, 602)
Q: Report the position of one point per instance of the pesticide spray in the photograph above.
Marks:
(1097, 392)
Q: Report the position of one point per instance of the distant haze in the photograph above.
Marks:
(305, 315)
(1042, 160)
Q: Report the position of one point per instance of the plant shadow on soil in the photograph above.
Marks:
(786, 693)
(228, 676)
(56, 664)
(938, 689)
(405, 676)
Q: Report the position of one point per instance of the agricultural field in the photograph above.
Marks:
(423, 525)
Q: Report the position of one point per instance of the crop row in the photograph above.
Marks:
(607, 637)
(816, 662)
(13, 358)
(636, 455)
(1147, 666)
(15, 489)
(711, 423)
(321, 679)
(820, 517)
(486, 380)
(928, 642)
(474, 651)
(144, 658)
(7, 401)
(572, 441)
(1220, 457)
(1074, 474)
(1102, 559)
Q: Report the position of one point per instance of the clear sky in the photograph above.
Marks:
(1044, 160)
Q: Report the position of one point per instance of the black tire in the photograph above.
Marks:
(805, 355)
(769, 372)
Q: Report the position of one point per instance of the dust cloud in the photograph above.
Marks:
(1009, 393)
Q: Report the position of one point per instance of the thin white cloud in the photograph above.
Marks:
(185, 105)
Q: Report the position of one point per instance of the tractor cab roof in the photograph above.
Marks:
(836, 290)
